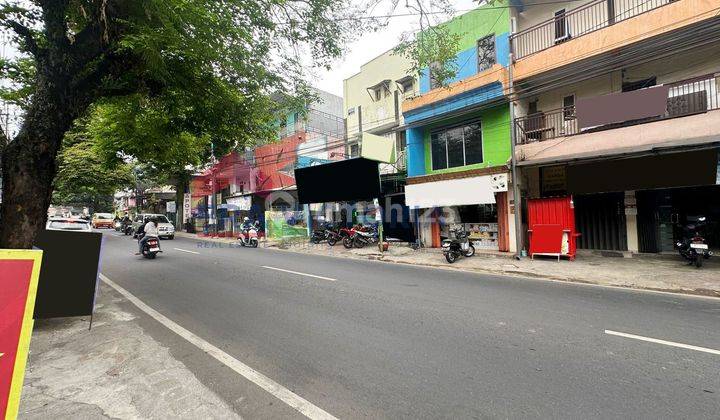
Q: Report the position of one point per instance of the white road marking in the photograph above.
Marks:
(185, 250)
(298, 273)
(665, 342)
(300, 404)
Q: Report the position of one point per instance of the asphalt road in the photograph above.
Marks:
(378, 340)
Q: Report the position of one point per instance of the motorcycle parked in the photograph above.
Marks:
(151, 248)
(365, 237)
(457, 247)
(345, 236)
(348, 235)
(693, 247)
(249, 237)
(327, 232)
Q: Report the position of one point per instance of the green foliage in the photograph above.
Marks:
(83, 177)
(211, 64)
(21, 73)
(435, 49)
(169, 81)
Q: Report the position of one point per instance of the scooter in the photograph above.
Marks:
(249, 237)
(694, 248)
(151, 248)
(458, 247)
(127, 229)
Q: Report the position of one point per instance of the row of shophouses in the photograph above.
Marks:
(610, 105)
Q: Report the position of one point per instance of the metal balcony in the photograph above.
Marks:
(687, 97)
(577, 22)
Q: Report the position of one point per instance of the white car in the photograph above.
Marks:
(69, 224)
(166, 230)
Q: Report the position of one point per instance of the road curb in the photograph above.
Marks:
(703, 293)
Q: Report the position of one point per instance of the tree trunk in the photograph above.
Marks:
(181, 182)
(28, 168)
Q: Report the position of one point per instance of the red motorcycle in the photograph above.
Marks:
(348, 235)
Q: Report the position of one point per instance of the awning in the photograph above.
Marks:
(452, 192)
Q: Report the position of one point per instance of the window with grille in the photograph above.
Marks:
(562, 32)
(433, 70)
(486, 52)
(569, 107)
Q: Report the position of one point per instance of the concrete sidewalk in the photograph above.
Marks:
(114, 370)
(663, 273)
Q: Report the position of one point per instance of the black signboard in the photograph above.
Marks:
(643, 173)
(348, 180)
(69, 273)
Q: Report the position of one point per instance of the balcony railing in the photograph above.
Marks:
(687, 97)
(582, 20)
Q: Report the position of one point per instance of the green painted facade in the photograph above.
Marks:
(495, 126)
(487, 19)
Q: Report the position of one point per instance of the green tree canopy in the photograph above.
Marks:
(202, 69)
(84, 178)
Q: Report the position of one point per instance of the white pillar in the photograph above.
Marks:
(631, 221)
(512, 207)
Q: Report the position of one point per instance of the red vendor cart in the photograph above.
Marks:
(551, 227)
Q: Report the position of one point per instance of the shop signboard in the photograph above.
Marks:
(187, 207)
(285, 224)
(19, 272)
(64, 289)
(170, 207)
(553, 181)
(243, 203)
(348, 180)
(377, 148)
(499, 182)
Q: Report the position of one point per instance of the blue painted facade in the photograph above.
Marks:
(467, 63)
(416, 151)
(474, 26)
(483, 94)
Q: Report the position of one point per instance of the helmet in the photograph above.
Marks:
(246, 219)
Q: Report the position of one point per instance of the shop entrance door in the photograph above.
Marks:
(600, 220)
(663, 215)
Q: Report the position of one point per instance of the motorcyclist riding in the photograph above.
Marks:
(247, 225)
(145, 232)
(125, 221)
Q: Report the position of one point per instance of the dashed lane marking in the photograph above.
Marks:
(299, 273)
(663, 342)
(185, 250)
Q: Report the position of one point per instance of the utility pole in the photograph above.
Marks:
(517, 201)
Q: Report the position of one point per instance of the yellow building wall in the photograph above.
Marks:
(375, 113)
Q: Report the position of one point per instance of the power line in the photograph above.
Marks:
(481, 8)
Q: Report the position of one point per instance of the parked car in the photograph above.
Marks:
(67, 223)
(103, 220)
(166, 230)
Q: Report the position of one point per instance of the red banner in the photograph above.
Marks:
(19, 271)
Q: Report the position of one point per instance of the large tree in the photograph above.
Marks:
(84, 178)
(86, 51)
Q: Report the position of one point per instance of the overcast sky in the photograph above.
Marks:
(371, 45)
